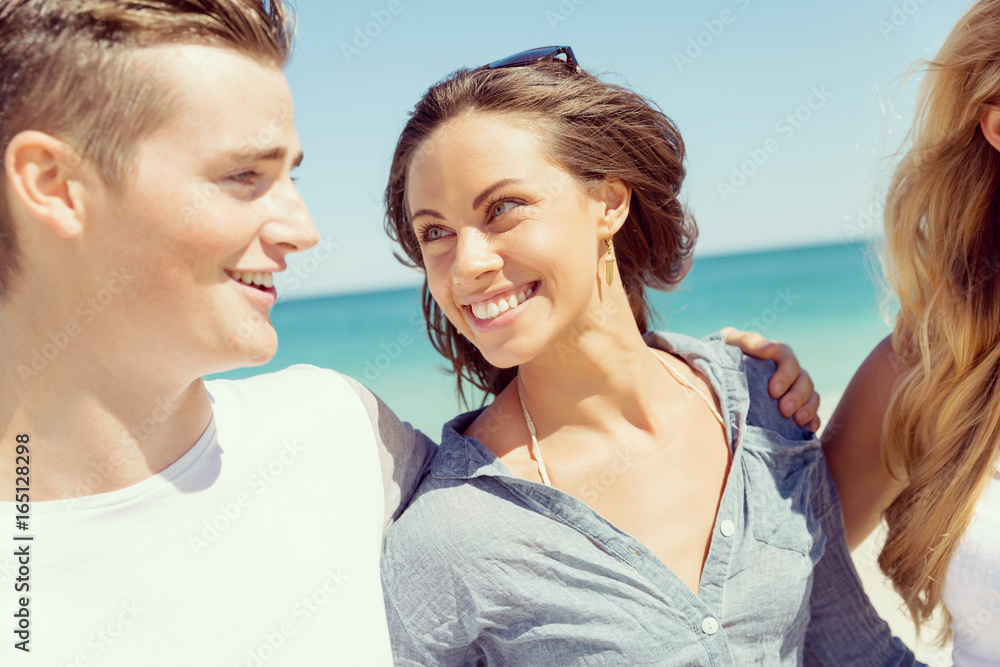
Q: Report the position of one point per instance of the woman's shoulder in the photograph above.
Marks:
(763, 408)
(454, 500)
(439, 534)
(742, 378)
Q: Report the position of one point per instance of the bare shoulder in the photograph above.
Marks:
(693, 376)
(864, 403)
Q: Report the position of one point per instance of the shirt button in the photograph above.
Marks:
(710, 626)
(728, 528)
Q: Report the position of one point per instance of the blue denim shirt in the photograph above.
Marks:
(485, 568)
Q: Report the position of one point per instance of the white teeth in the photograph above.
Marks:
(258, 279)
(487, 310)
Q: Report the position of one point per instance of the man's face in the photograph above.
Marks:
(210, 202)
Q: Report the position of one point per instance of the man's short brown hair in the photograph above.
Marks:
(69, 68)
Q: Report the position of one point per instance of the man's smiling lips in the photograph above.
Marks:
(488, 309)
(259, 281)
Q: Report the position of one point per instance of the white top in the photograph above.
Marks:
(972, 586)
(259, 547)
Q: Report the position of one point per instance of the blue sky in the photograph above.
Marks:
(792, 111)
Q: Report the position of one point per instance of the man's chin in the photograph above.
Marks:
(248, 353)
(263, 353)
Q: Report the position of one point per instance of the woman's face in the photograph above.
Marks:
(510, 241)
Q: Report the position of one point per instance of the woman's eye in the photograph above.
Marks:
(434, 233)
(501, 207)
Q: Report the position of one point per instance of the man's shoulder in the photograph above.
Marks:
(302, 393)
(288, 384)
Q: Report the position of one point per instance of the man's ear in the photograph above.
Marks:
(41, 170)
(989, 122)
(615, 198)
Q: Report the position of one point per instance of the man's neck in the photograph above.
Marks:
(91, 429)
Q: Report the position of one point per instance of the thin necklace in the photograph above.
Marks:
(533, 450)
(536, 453)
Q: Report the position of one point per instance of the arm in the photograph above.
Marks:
(844, 628)
(404, 452)
(852, 444)
(790, 381)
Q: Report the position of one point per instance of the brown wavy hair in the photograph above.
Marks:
(593, 130)
(942, 430)
(67, 68)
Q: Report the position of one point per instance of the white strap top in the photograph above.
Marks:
(972, 586)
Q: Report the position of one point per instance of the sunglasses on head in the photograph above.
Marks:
(532, 56)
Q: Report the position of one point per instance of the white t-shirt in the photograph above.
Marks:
(257, 548)
(972, 586)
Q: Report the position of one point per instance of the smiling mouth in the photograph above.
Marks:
(262, 281)
(490, 309)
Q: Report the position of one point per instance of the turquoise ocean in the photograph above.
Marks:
(825, 301)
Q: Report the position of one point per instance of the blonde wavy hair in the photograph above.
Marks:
(942, 430)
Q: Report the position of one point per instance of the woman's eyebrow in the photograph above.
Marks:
(475, 204)
(491, 189)
(426, 211)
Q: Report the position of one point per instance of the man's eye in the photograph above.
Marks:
(245, 177)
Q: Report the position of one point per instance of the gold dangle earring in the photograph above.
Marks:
(609, 260)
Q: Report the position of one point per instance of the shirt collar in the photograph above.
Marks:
(464, 457)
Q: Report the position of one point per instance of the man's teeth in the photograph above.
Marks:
(487, 310)
(258, 279)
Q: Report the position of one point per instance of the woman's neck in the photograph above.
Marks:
(596, 375)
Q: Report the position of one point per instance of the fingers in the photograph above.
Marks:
(790, 383)
(797, 397)
(806, 413)
(751, 343)
(815, 424)
(788, 374)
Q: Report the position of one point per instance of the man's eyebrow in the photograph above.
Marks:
(264, 155)
(491, 189)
